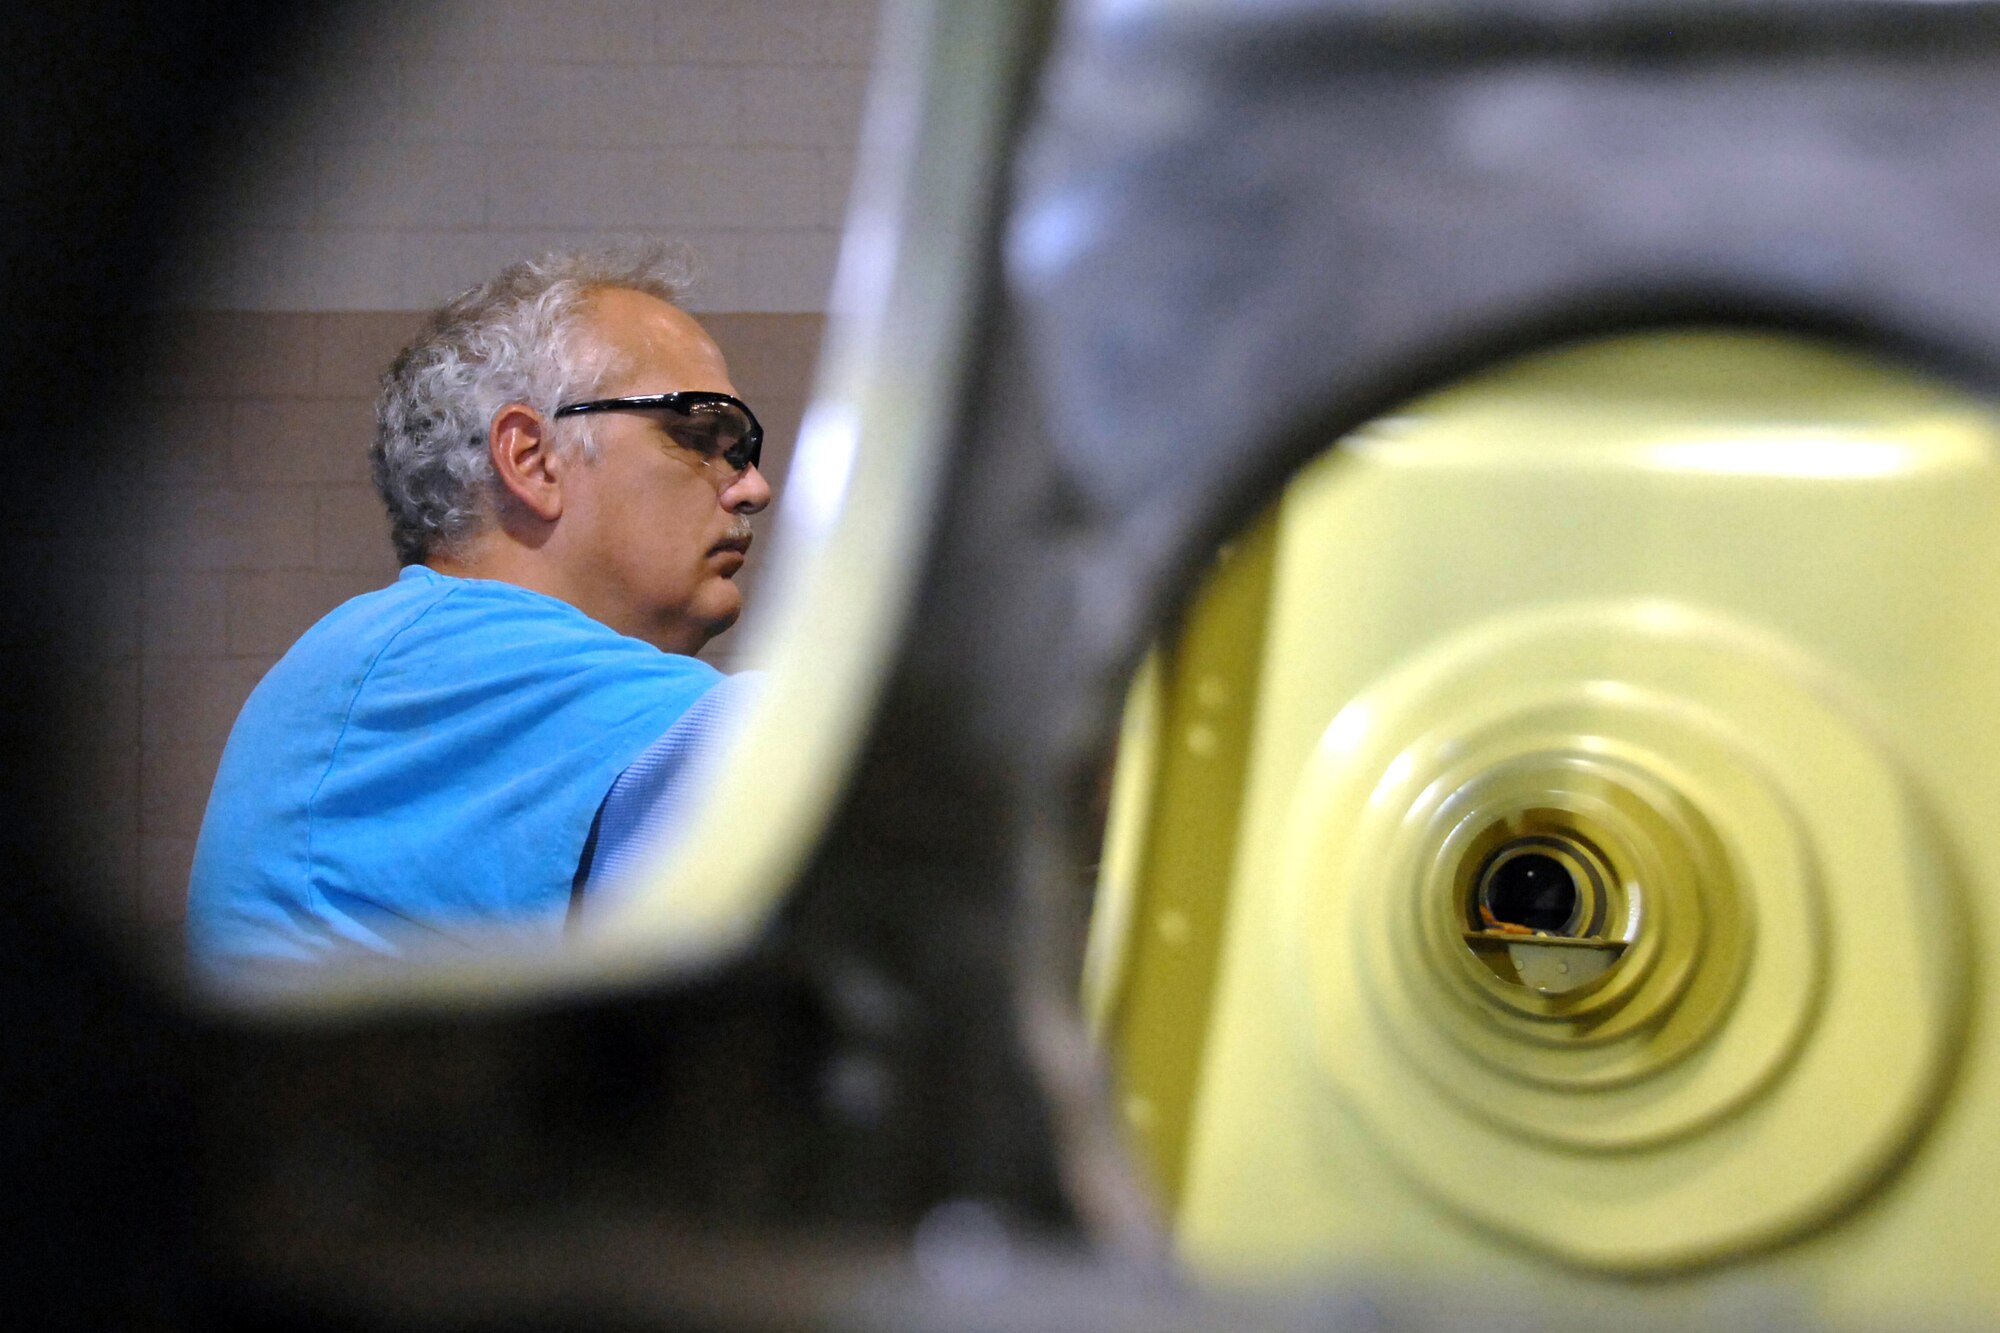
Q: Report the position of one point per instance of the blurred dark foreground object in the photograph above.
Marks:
(885, 1115)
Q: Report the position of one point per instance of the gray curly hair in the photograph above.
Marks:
(515, 339)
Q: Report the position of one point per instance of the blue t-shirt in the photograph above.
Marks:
(420, 771)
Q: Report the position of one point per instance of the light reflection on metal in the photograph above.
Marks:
(1809, 453)
(821, 469)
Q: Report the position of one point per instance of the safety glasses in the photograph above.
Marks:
(714, 426)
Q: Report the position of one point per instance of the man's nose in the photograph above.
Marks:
(748, 493)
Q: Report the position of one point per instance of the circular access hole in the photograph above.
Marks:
(1530, 889)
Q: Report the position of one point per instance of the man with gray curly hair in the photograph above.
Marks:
(448, 762)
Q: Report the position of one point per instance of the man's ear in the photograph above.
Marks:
(521, 442)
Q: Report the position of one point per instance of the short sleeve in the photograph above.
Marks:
(648, 803)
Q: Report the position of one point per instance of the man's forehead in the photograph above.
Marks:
(655, 342)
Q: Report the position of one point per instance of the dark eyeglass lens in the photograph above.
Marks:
(716, 430)
(711, 429)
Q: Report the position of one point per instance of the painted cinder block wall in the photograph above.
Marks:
(428, 152)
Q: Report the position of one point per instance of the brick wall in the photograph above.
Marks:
(435, 150)
(431, 151)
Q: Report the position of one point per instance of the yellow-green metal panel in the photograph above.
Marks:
(1710, 620)
(1169, 851)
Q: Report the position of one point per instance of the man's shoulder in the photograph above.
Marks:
(339, 647)
(377, 615)
(441, 622)
(431, 645)
(486, 629)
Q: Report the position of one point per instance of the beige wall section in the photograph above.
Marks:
(255, 518)
(437, 140)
